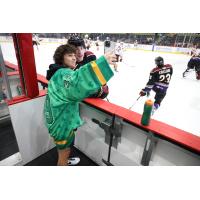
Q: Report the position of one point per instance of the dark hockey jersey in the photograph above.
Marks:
(88, 57)
(159, 78)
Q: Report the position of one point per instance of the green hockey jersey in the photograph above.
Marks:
(66, 89)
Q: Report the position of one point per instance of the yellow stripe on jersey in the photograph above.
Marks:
(61, 142)
(98, 73)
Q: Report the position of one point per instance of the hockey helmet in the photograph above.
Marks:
(159, 61)
(76, 41)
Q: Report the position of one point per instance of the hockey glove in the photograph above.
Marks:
(102, 93)
(144, 93)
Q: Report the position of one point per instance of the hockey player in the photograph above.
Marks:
(36, 40)
(86, 36)
(107, 44)
(66, 89)
(119, 48)
(135, 44)
(83, 57)
(97, 43)
(194, 51)
(193, 64)
(87, 42)
(159, 80)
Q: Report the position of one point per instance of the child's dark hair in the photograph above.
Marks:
(61, 51)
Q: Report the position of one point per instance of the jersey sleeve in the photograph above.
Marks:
(87, 80)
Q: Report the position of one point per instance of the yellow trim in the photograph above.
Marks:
(62, 142)
(98, 73)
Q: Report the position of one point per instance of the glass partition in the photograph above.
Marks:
(10, 85)
(139, 51)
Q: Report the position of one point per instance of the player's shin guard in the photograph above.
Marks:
(155, 107)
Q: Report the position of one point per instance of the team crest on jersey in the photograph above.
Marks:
(67, 81)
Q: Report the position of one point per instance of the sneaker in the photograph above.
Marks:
(73, 161)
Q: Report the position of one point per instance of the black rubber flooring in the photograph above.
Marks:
(50, 158)
(8, 142)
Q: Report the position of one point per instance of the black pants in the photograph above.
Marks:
(190, 64)
(159, 95)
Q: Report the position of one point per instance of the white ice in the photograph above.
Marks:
(180, 107)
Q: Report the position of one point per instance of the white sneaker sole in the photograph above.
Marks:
(73, 161)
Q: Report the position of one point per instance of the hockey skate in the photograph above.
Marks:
(155, 107)
(184, 73)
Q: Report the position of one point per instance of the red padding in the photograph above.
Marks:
(42, 79)
(25, 58)
(12, 73)
(172, 133)
(17, 99)
(11, 66)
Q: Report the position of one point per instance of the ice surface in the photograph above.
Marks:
(180, 107)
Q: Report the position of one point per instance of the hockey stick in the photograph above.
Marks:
(107, 99)
(134, 102)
